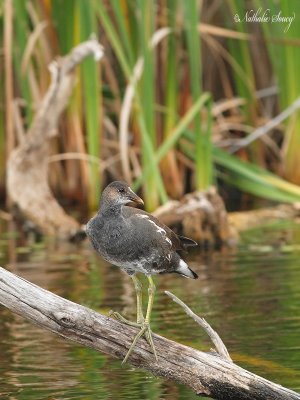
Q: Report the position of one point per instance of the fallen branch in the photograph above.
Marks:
(215, 338)
(27, 167)
(262, 130)
(205, 373)
(201, 216)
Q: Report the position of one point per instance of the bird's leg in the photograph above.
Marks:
(139, 299)
(145, 326)
(140, 316)
(139, 302)
(151, 293)
(120, 318)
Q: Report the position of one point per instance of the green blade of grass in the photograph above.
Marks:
(241, 53)
(121, 21)
(2, 129)
(21, 29)
(256, 180)
(171, 87)
(172, 140)
(169, 166)
(248, 177)
(202, 148)
(147, 96)
(91, 94)
(144, 97)
(285, 59)
(115, 40)
(63, 14)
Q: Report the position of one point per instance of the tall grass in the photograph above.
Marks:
(202, 140)
(2, 119)
(285, 58)
(147, 117)
(169, 165)
(147, 93)
(143, 113)
(240, 51)
(91, 99)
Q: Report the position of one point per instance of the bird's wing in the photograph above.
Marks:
(151, 223)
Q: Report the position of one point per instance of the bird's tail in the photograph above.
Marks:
(184, 270)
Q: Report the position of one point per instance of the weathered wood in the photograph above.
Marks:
(215, 338)
(243, 220)
(201, 216)
(27, 166)
(205, 373)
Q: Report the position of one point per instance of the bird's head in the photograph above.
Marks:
(119, 193)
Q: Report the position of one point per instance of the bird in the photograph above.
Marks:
(137, 242)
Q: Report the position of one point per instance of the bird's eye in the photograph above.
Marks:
(121, 190)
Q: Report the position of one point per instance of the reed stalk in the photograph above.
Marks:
(203, 168)
(153, 49)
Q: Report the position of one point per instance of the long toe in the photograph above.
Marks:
(119, 317)
(149, 339)
(145, 331)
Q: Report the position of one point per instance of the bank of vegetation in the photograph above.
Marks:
(186, 96)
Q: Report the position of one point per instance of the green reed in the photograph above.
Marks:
(91, 86)
(284, 49)
(240, 51)
(171, 117)
(246, 176)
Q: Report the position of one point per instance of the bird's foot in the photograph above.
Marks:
(120, 318)
(145, 331)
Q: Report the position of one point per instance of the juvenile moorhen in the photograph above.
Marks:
(136, 242)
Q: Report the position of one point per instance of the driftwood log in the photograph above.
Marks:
(207, 374)
(201, 216)
(27, 166)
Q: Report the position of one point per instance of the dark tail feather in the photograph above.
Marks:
(187, 242)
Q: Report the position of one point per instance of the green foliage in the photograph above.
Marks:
(249, 177)
(284, 50)
(91, 99)
(157, 51)
(202, 150)
(240, 51)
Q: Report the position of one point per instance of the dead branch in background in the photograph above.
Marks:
(205, 373)
(27, 167)
(201, 216)
(215, 338)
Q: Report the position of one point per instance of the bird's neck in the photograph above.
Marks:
(110, 209)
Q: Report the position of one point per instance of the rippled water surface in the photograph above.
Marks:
(250, 295)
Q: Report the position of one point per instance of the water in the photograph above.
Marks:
(250, 295)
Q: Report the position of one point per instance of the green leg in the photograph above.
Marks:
(145, 326)
(120, 318)
(151, 293)
(140, 316)
(139, 299)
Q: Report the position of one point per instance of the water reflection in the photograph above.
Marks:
(249, 295)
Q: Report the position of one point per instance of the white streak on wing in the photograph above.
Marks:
(168, 240)
(158, 228)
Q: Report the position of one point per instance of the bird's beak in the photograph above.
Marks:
(135, 198)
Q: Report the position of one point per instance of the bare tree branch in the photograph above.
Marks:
(206, 374)
(215, 338)
(262, 130)
(27, 167)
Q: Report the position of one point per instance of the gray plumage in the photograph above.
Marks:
(133, 239)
